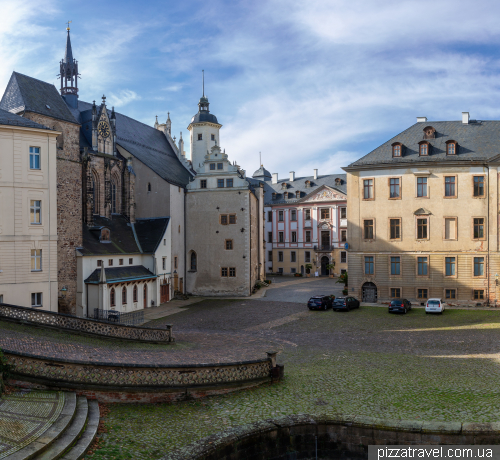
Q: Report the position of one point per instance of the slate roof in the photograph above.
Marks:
(121, 235)
(477, 141)
(262, 174)
(202, 117)
(298, 184)
(144, 142)
(117, 274)
(150, 232)
(8, 118)
(28, 94)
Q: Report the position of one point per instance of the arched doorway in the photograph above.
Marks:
(369, 293)
(145, 296)
(325, 260)
(164, 291)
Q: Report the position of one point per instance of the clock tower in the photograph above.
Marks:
(103, 129)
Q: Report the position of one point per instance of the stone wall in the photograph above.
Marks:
(69, 206)
(295, 437)
(43, 318)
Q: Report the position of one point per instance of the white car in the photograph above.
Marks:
(434, 306)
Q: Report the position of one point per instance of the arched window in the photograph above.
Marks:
(149, 186)
(124, 295)
(95, 193)
(193, 261)
(113, 196)
(112, 297)
(135, 293)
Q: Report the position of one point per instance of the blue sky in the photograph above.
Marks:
(310, 84)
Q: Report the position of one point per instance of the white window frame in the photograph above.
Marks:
(36, 212)
(36, 260)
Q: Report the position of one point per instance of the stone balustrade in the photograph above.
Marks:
(44, 318)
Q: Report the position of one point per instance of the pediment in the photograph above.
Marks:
(422, 212)
(324, 193)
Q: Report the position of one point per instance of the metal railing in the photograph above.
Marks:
(132, 318)
(324, 247)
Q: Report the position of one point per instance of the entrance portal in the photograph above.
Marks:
(325, 260)
(369, 293)
(164, 292)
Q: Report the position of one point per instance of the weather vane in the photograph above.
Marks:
(69, 22)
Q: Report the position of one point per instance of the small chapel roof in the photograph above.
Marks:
(262, 174)
(8, 118)
(28, 94)
(121, 274)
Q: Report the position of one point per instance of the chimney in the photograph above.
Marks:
(465, 118)
(292, 176)
(315, 173)
(275, 178)
(421, 119)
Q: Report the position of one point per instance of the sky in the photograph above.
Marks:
(309, 84)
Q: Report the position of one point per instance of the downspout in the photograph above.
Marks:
(87, 302)
(250, 238)
(185, 246)
(50, 248)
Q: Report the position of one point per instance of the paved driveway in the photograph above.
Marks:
(302, 289)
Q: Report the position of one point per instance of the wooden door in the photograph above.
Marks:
(164, 292)
(145, 296)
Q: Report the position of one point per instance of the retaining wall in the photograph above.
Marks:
(295, 437)
(43, 318)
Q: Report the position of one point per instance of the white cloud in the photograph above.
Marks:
(123, 97)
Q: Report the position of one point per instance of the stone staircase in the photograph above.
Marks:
(68, 437)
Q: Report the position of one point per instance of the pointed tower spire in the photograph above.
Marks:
(69, 74)
(203, 78)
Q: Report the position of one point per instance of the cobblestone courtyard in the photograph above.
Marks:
(365, 362)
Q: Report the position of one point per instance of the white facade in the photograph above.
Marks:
(28, 217)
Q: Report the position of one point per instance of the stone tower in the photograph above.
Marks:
(69, 75)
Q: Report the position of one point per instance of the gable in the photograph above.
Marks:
(325, 193)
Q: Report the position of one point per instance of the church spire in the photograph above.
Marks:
(69, 74)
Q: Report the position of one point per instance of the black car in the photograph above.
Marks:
(319, 302)
(399, 306)
(345, 303)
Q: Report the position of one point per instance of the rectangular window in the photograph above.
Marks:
(424, 149)
(229, 183)
(36, 260)
(280, 256)
(120, 262)
(164, 242)
(478, 294)
(293, 270)
(110, 262)
(307, 257)
(269, 256)
(281, 238)
(99, 263)
(293, 215)
(395, 293)
(396, 265)
(422, 233)
(232, 272)
(220, 166)
(280, 216)
(293, 256)
(394, 190)
(269, 237)
(294, 237)
(369, 265)
(343, 213)
(368, 189)
(200, 137)
(396, 150)
(220, 183)
(325, 213)
(212, 166)
(1, 298)
(422, 293)
(269, 216)
(450, 148)
(36, 212)
(164, 263)
(450, 264)
(368, 229)
(176, 262)
(478, 266)
(478, 228)
(421, 186)
(280, 270)
(450, 228)
(450, 293)
(34, 157)
(36, 299)
(130, 261)
(223, 219)
(203, 183)
(307, 213)
(395, 226)
(449, 186)
(343, 257)
(229, 245)
(422, 266)
(232, 219)
(212, 137)
(478, 185)
(223, 272)
(343, 235)
(308, 236)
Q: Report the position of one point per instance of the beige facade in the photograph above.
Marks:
(28, 216)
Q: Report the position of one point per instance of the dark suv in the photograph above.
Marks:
(345, 303)
(319, 302)
(399, 306)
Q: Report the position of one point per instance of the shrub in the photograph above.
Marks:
(5, 370)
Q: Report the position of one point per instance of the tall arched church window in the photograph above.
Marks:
(194, 261)
(135, 293)
(124, 295)
(113, 196)
(112, 297)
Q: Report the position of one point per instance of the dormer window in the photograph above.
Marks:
(451, 148)
(105, 236)
(397, 149)
(284, 185)
(308, 183)
(423, 148)
(297, 194)
(274, 195)
(429, 132)
(338, 181)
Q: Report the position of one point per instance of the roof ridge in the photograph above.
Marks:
(33, 78)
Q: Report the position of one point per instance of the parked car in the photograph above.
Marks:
(399, 306)
(434, 306)
(319, 302)
(345, 303)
